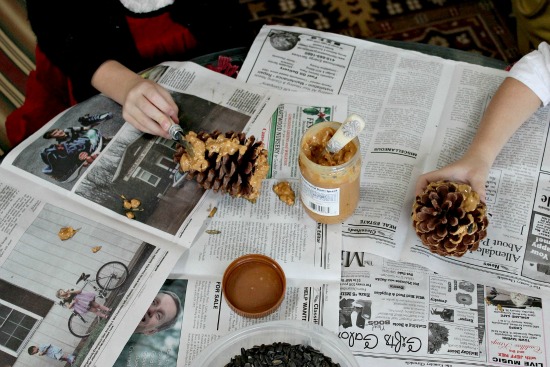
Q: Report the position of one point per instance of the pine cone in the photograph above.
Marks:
(449, 218)
(230, 163)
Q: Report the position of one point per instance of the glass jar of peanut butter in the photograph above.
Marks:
(329, 188)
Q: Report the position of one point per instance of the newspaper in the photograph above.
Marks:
(400, 314)
(309, 252)
(97, 191)
(422, 112)
(48, 243)
(131, 164)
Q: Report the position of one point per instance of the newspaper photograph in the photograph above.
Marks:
(161, 347)
(72, 289)
(88, 154)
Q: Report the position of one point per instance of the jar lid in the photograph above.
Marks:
(254, 285)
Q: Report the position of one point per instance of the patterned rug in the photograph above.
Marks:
(469, 25)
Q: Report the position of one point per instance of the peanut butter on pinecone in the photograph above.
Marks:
(229, 163)
(450, 218)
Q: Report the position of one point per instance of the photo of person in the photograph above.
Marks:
(82, 302)
(156, 339)
(354, 312)
(72, 141)
(162, 314)
(74, 147)
(51, 351)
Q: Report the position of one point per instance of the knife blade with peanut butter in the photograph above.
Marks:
(176, 133)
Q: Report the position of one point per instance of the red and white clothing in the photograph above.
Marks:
(75, 37)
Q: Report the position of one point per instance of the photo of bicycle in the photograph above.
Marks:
(88, 302)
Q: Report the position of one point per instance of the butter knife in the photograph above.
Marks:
(176, 133)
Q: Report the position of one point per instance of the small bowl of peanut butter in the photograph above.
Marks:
(254, 285)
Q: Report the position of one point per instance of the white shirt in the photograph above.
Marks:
(533, 70)
(145, 6)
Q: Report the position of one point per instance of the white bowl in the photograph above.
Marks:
(220, 352)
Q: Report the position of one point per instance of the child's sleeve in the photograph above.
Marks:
(533, 70)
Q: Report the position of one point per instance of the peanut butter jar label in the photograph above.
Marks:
(319, 200)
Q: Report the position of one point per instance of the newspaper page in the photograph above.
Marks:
(72, 289)
(515, 252)
(205, 317)
(89, 155)
(267, 225)
(308, 252)
(422, 112)
(399, 314)
(304, 248)
(390, 313)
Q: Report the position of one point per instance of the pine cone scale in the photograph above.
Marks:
(441, 232)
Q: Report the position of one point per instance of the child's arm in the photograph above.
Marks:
(146, 104)
(44, 351)
(518, 97)
(512, 105)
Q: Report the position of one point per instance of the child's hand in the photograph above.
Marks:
(471, 170)
(149, 107)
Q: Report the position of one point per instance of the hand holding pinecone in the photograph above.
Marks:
(450, 218)
(230, 163)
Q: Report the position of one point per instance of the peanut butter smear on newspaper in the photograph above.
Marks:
(285, 192)
(67, 232)
(315, 151)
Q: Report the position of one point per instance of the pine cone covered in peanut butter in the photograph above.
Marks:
(450, 218)
(230, 163)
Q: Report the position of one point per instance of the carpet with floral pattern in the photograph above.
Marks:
(482, 26)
